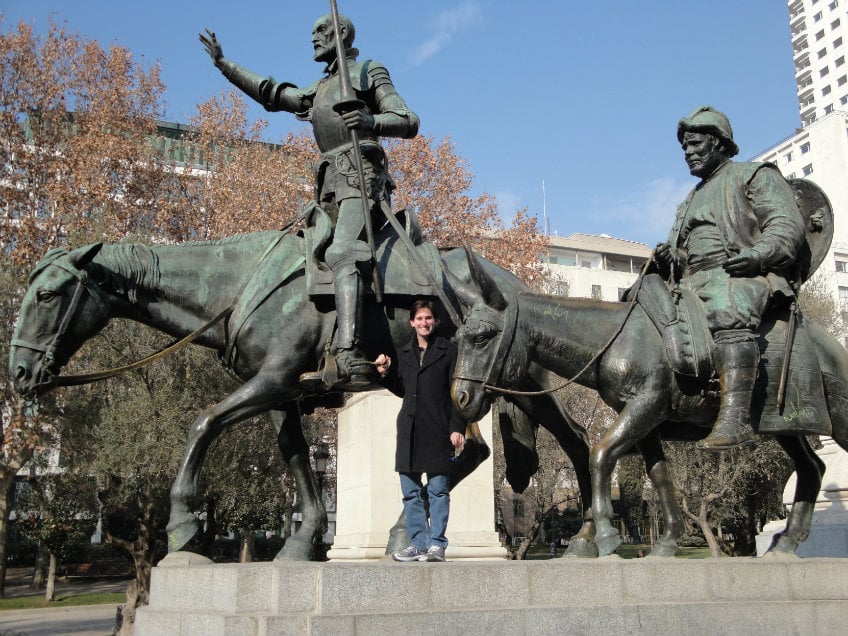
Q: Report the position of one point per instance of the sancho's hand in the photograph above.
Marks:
(358, 119)
(210, 42)
(662, 255)
(746, 263)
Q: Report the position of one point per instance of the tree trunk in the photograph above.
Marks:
(6, 479)
(246, 552)
(40, 569)
(50, 590)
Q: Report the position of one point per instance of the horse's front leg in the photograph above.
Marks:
(300, 546)
(252, 398)
(632, 424)
(809, 469)
(548, 411)
(660, 476)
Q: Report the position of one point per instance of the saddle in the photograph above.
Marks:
(398, 270)
(678, 316)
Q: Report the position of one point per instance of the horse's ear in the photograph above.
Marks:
(82, 256)
(491, 294)
(466, 294)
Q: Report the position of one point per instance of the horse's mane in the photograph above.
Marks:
(228, 240)
(131, 267)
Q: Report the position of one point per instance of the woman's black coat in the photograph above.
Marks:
(427, 417)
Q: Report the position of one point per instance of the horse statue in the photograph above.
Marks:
(615, 349)
(182, 290)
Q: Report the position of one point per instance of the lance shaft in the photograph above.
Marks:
(348, 103)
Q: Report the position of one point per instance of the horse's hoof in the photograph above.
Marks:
(662, 550)
(582, 548)
(780, 556)
(294, 550)
(608, 543)
(182, 559)
(782, 544)
(181, 534)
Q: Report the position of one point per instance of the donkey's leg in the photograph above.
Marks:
(301, 545)
(252, 398)
(632, 424)
(660, 476)
(549, 412)
(809, 470)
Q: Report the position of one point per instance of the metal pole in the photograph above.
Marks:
(349, 103)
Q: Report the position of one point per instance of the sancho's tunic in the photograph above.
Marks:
(739, 206)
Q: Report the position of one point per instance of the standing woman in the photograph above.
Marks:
(428, 430)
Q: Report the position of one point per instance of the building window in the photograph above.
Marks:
(822, 53)
(596, 292)
(841, 80)
(787, 157)
(820, 35)
(837, 42)
(840, 60)
(833, 5)
(817, 17)
(826, 91)
(835, 24)
(841, 266)
(791, 175)
(824, 71)
(843, 295)
(808, 170)
(805, 148)
(843, 100)
(828, 109)
(518, 505)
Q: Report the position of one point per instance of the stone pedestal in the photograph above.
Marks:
(829, 531)
(368, 489)
(653, 596)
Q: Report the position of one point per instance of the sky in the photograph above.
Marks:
(567, 108)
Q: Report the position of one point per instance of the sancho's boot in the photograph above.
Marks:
(349, 369)
(736, 365)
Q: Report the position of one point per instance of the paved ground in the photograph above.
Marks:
(84, 620)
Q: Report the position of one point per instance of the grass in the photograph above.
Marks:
(70, 600)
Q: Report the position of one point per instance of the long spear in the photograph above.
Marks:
(349, 103)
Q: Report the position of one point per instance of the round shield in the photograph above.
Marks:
(818, 224)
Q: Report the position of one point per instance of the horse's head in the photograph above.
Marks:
(61, 309)
(484, 341)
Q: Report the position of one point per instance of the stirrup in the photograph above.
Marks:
(325, 378)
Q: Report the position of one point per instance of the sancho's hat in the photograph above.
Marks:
(707, 119)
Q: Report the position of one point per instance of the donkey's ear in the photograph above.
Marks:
(82, 256)
(488, 287)
(466, 294)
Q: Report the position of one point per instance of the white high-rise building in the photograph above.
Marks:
(818, 150)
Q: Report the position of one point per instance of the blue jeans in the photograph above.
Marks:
(421, 533)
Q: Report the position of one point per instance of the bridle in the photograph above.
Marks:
(84, 283)
(506, 337)
(49, 351)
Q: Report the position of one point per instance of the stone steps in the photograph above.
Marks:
(561, 596)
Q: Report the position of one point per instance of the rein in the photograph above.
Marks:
(83, 282)
(502, 352)
(95, 376)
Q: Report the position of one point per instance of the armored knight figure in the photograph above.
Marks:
(734, 243)
(382, 113)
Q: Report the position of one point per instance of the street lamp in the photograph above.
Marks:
(321, 454)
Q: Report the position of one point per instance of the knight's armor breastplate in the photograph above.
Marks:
(327, 125)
